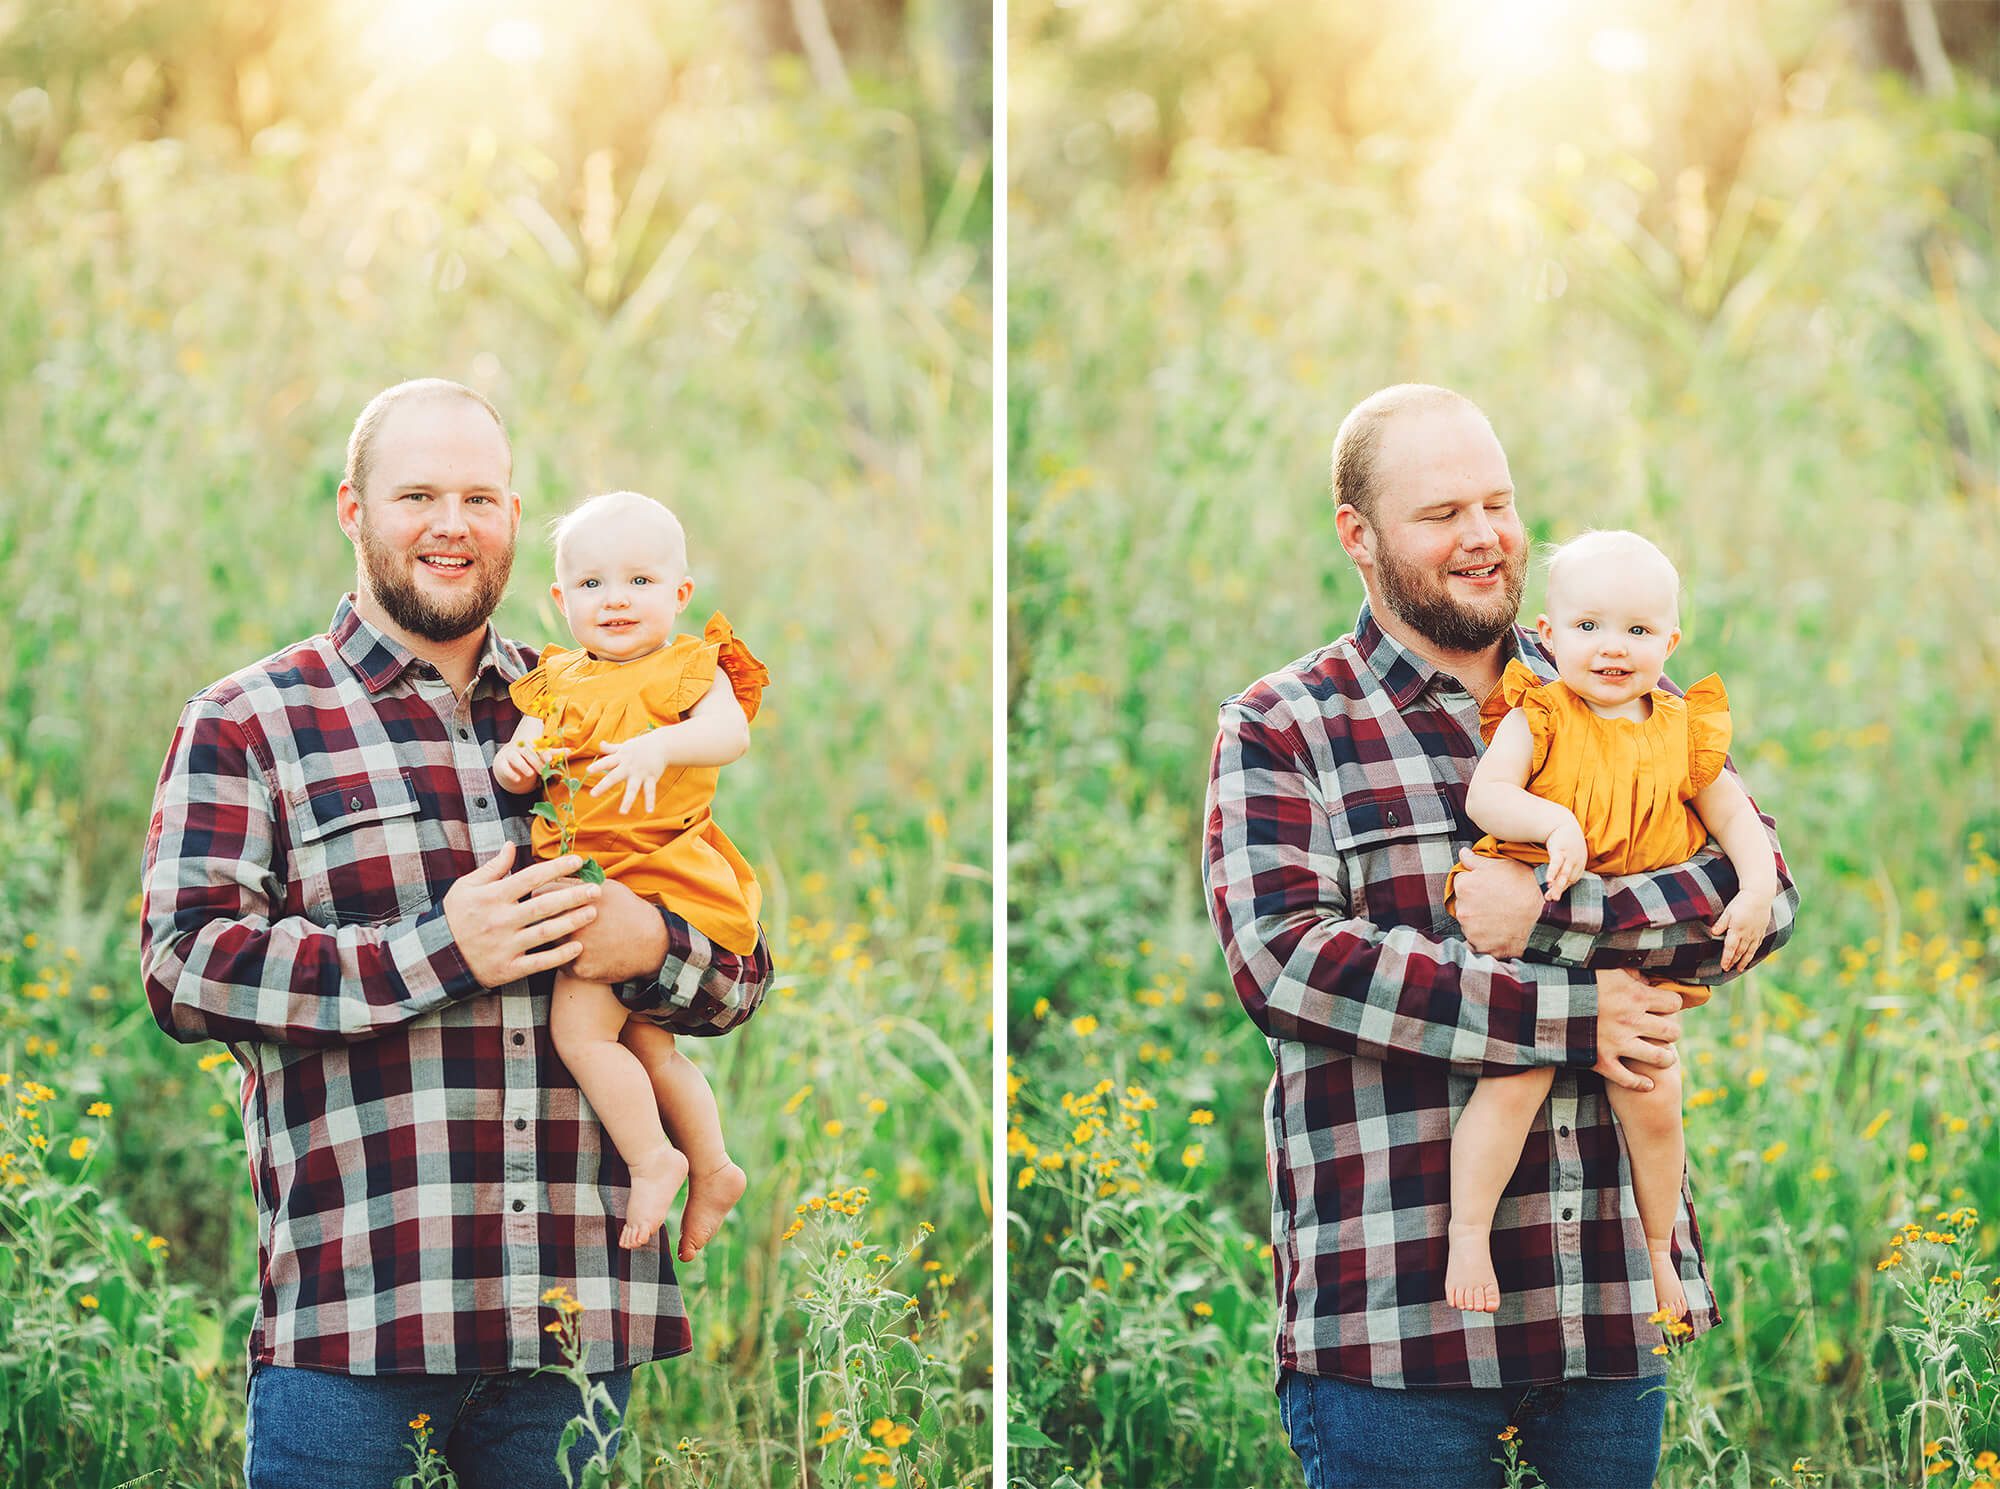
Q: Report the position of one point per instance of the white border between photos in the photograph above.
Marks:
(998, 1166)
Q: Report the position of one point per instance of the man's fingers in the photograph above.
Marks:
(1616, 1073)
(529, 963)
(549, 903)
(542, 871)
(1467, 857)
(494, 868)
(540, 931)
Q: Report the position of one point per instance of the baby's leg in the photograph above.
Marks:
(1657, 1149)
(714, 1183)
(585, 1020)
(1485, 1147)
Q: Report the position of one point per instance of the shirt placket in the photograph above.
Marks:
(1566, 1205)
(520, 1201)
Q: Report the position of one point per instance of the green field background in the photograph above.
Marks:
(712, 251)
(1721, 273)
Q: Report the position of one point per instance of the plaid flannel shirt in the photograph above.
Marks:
(424, 1165)
(1336, 807)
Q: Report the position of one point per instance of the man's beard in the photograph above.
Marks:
(1420, 600)
(392, 579)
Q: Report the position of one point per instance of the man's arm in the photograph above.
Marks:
(1659, 923)
(220, 963)
(1306, 969)
(663, 967)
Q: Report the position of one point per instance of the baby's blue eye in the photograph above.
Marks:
(1586, 625)
(640, 579)
(1638, 630)
(590, 584)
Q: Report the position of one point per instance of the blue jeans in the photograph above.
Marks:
(1579, 1434)
(311, 1429)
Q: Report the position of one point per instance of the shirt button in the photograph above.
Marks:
(1563, 1131)
(520, 1124)
(1567, 1214)
(353, 803)
(479, 801)
(520, 1039)
(464, 734)
(1395, 818)
(520, 1205)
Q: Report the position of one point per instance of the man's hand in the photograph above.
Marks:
(1635, 1021)
(503, 927)
(1497, 902)
(636, 764)
(627, 940)
(517, 768)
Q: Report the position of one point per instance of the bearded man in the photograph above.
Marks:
(1336, 808)
(330, 891)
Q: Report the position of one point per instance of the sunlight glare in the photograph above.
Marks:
(1514, 36)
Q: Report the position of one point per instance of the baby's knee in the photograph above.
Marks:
(1655, 1113)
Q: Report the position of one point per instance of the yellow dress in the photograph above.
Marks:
(1631, 783)
(677, 855)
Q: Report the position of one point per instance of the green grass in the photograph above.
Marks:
(1765, 336)
(676, 268)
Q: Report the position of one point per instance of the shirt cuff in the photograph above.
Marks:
(426, 956)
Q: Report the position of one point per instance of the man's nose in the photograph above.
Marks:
(448, 515)
(1480, 532)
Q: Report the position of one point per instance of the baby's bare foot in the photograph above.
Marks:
(710, 1197)
(1469, 1280)
(1667, 1284)
(655, 1182)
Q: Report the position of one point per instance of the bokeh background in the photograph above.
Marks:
(732, 254)
(1720, 272)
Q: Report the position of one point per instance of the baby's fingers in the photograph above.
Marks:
(631, 795)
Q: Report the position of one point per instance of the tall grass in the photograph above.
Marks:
(676, 266)
(1742, 301)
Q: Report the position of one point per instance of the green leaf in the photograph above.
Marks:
(590, 873)
(1021, 1435)
(904, 1354)
(547, 813)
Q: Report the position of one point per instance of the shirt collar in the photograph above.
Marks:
(1404, 675)
(379, 659)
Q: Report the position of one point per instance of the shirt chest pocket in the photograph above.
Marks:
(358, 849)
(1397, 844)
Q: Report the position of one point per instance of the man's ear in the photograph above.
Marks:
(347, 509)
(1356, 537)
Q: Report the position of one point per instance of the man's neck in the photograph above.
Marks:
(455, 660)
(1478, 672)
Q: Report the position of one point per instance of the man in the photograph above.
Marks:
(1335, 811)
(335, 888)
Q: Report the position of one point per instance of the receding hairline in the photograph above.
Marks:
(418, 390)
(608, 505)
(1358, 442)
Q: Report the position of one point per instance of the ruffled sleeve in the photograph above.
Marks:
(532, 694)
(1708, 732)
(1520, 688)
(747, 676)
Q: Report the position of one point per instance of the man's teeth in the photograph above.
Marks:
(447, 563)
(1475, 573)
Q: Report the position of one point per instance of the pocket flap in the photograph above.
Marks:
(338, 805)
(1383, 816)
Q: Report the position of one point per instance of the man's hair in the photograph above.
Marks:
(614, 504)
(1360, 436)
(361, 442)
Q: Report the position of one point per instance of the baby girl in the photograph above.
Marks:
(653, 716)
(1604, 771)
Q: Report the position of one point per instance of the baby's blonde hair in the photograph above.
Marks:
(1609, 543)
(621, 506)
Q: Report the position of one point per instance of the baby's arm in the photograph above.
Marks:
(715, 732)
(1726, 812)
(518, 766)
(1498, 800)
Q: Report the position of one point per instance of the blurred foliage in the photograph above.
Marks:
(684, 250)
(1717, 273)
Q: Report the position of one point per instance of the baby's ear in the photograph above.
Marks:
(555, 593)
(1545, 628)
(685, 593)
(1673, 640)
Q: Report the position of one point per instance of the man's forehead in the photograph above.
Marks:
(433, 439)
(1440, 454)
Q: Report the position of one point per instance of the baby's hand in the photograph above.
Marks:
(1568, 854)
(517, 768)
(637, 764)
(1742, 925)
